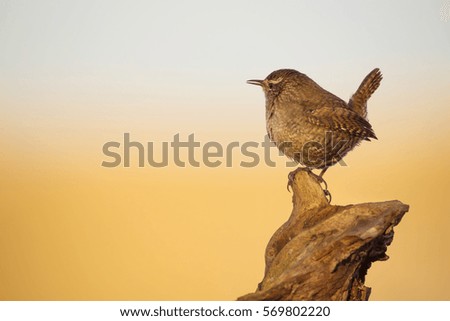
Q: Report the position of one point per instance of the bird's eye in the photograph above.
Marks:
(273, 82)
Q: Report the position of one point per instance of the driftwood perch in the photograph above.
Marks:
(323, 251)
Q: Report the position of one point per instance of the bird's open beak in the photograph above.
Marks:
(255, 82)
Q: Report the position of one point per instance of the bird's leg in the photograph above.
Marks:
(321, 180)
(323, 171)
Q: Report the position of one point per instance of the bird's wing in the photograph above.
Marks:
(341, 119)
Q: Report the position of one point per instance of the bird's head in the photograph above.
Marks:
(277, 82)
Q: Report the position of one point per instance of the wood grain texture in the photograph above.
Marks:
(323, 251)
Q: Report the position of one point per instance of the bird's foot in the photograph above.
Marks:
(291, 176)
(319, 178)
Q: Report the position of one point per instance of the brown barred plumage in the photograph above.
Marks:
(311, 125)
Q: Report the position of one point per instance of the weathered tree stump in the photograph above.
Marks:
(323, 251)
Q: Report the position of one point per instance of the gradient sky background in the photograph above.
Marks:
(74, 75)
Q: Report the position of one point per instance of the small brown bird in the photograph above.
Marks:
(311, 125)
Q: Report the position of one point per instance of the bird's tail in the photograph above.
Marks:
(358, 102)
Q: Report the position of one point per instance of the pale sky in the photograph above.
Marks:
(71, 60)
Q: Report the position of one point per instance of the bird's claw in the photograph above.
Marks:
(327, 195)
(291, 177)
(325, 188)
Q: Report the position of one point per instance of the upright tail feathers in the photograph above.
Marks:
(358, 102)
